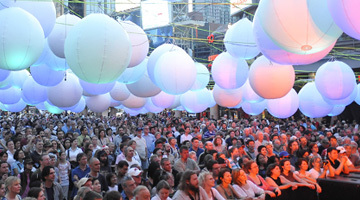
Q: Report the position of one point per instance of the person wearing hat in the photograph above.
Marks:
(348, 163)
(85, 182)
(135, 173)
(339, 166)
(25, 177)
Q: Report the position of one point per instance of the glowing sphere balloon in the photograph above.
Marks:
(270, 80)
(80, 106)
(104, 58)
(212, 101)
(346, 16)
(345, 101)
(156, 54)
(22, 39)
(254, 108)
(16, 107)
(227, 97)
(195, 101)
(202, 77)
(52, 109)
(6, 4)
(96, 89)
(311, 103)
(133, 74)
(54, 62)
(163, 100)
(276, 54)
(119, 92)
(229, 72)
(357, 99)
(134, 102)
(175, 72)
(56, 39)
(335, 80)
(18, 78)
(291, 25)
(337, 110)
(249, 94)
(149, 106)
(34, 92)
(176, 102)
(285, 106)
(98, 103)
(114, 103)
(10, 96)
(144, 87)
(239, 40)
(45, 76)
(67, 93)
(139, 42)
(4, 74)
(41, 106)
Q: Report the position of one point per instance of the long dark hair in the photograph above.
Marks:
(185, 177)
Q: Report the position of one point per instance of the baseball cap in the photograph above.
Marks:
(139, 129)
(134, 172)
(283, 154)
(83, 181)
(341, 149)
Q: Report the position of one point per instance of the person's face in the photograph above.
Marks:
(315, 148)
(15, 187)
(333, 142)
(51, 176)
(209, 180)
(304, 165)
(333, 154)
(263, 151)
(287, 166)
(123, 170)
(143, 195)
(137, 179)
(194, 181)
(2, 190)
(276, 171)
(227, 178)
(45, 161)
(209, 146)
(74, 143)
(294, 146)
(95, 166)
(97, 186)
(193, 157)
(41, 196)
(163, 193)
(348, 150)
(317, 163)
(167, 166)
(254, 168)
(83, 161)
(251, 145)
(269, 149)
(40, 145)
(242, 177)
(11, 145)
(185, 154)
(195, 144)
(103, 157)
(260, 136)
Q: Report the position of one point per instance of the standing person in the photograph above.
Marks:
(37, 193)
(82, 136)
(94, 173)
(13, 187)
(150, 140)
(25, 177)
(207, 181)
(79, 172)
(11, 151)
(141, 148)
(18, 166)
(35, 155)
(64, 173)
(53, 190)
(44, 161)
(189, 188)
(122, 169)
(72, 153)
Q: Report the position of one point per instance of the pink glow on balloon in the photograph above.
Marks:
(227, 98)
(163, 100)
(285, 106)
(271, 80)
(119, 92)
(134, 102)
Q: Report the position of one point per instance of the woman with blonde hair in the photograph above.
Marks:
(244, 188)
(207, 181)
(13, 188)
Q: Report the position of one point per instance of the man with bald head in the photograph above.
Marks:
(94, 164)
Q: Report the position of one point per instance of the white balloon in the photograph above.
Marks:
(156, 54)
(227, 97)
(163, 100)
(44, 11)
(176, 102)
(119, 92)
(11, 95)
(239, 40)
(195, 101)
(114, 103)
(285, 106)
(144, 87)
(34, 92)
(18, 78)
(337, 110)
(80, 106)
(357, 99)
(56, 39)
(229, 72)
(22, 39)
(139, 42)
(175, 72)
(54, 62)
(149, 106)
(45, 76)
(4, 74)
(134, 102)
(98, 103)
(96, 89)
(202, 77)
(16, 107)
(249, 94)
(254, 108)
(345, 101)
(311, 103)
(52, 109)
(133, 74)
(41, 106)
(104, 58)
(67, 93)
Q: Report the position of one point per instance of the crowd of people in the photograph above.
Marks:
(161, 157)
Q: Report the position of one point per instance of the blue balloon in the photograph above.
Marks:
(46, 76)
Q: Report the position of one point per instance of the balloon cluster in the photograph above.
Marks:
(98, 62)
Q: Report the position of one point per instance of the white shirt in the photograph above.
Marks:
(183, 138)
(72, 154)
